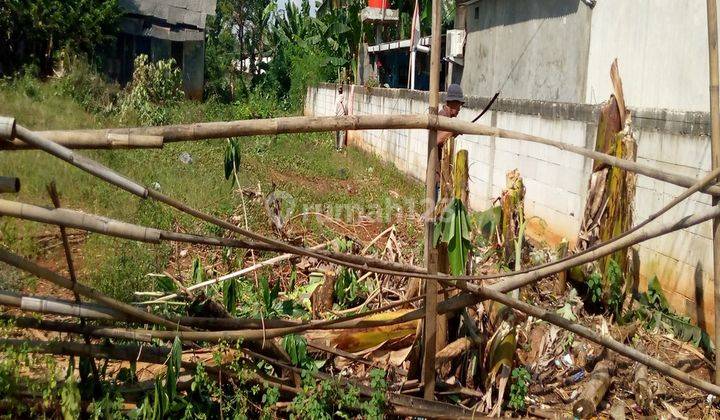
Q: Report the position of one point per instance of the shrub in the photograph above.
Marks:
(88, 87)
(154, 87)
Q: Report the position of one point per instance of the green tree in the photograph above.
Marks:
(32, 32)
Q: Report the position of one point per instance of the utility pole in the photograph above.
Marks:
(715, 150)
(431, 286)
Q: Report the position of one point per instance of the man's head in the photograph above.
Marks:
(454, 100)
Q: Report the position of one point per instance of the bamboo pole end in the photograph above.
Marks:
(7, 128)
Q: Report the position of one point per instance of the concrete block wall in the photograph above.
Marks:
(557, 181)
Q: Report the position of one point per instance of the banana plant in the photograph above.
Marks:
(454, 230)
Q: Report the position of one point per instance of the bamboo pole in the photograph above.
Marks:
(715, 150)
(285, 125)
(17, 261)
(9, 184)
(75, 219)
(7, 129)
(431, 287)
(54, 306)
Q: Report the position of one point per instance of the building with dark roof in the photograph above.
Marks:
(163, 29)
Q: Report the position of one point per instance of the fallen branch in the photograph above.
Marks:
(595, 389)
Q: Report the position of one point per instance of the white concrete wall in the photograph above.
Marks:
(662, 52)
(556, 182)
(682, 260)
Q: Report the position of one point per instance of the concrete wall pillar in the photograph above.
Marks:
(193, 68)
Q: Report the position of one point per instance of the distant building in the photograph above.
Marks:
(163, 29)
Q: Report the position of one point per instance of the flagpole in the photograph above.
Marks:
(413, 54)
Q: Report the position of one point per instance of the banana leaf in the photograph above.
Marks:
(453, 229)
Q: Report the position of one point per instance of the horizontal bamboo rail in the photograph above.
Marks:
(286, 125)
(104, 225)
(75, 219)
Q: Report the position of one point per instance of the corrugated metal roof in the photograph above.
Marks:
(174, 12)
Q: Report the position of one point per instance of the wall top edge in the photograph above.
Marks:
(693, 123)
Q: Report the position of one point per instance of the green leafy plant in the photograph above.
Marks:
(453, 228)
(594, 284)
(519, 388)
(325, 400)
(347, 287)
(655, 312)
(70, 396)
(230, 295)
(296, 347)
(153, 88)
(377, 405)
(197, 273)
(616, 281)
(269, 399)
(232, 160)
(487, 222)
(164, 396)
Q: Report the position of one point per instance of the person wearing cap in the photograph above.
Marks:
(340, 111)
(454, 100)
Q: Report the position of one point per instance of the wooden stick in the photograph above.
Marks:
(431, 287)
(17, 261)
(594, 390)
(715, 150)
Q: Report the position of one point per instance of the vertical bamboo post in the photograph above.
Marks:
(431, 287)
(715, 150)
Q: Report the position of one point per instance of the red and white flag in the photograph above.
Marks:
(415, 28)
